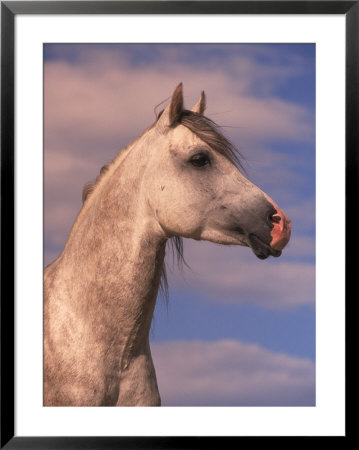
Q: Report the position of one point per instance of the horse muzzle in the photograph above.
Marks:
(282, 226)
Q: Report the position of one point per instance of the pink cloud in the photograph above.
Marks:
(230, 274)
(231, 373)
(99, 99)
(96, 107)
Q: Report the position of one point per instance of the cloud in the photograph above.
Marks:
(301, 247)
(95, 101)
(226, 275)
(98, 100)
(231, 373)
(258, 70)
(65, 176)
(231, 274)
(303, 214)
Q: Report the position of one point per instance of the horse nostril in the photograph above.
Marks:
(275, 218)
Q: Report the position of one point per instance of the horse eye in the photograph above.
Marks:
(199, 160)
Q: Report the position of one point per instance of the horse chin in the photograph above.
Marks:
(261, 249)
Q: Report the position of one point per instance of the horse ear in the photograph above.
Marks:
(173, 111)
(200, 106)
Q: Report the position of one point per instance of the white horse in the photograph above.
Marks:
(179, 179)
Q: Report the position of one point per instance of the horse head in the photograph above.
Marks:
(197, 189)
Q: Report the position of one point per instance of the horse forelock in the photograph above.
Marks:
(209, 132)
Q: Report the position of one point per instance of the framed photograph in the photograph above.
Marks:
(177, 179)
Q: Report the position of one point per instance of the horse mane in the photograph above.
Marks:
(89, 187)
(209, 132)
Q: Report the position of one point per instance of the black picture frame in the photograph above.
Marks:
(9, 10)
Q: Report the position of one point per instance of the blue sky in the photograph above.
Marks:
(98, 98)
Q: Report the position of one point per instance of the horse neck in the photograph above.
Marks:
(115, 253)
